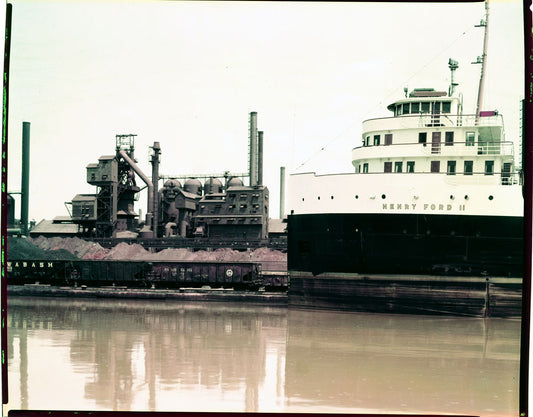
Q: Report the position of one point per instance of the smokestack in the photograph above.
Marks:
(259, 158)
(155, 180)
(281, 192)
(25, 186)
(253, 149)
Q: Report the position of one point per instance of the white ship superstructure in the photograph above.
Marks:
(427, 157)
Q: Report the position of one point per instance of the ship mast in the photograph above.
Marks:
(482, 59)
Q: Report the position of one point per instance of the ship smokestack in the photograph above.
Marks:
(25, 186)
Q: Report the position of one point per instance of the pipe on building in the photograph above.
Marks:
(259, 158)
(281, 192)
(147, 181)
(25, 186)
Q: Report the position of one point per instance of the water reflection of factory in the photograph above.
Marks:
(172, 348)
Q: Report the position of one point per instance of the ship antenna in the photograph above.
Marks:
(482, 59)
(453, 65)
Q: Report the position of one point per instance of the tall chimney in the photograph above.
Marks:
(281, 192)
(259, 158)
(155, 180)
(25, 186)
(253, 149)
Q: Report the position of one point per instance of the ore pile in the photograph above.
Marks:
(23, 249)
(75, 248)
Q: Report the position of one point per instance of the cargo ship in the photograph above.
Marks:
(431, 219)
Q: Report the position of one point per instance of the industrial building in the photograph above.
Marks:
(220, 208)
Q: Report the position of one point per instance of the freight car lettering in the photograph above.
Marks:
(32, 265)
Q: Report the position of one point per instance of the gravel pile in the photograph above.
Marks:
(75, 248)
(23, 249)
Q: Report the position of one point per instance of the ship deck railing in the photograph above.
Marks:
(430, 120)
(427, 149)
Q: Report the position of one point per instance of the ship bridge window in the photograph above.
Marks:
(469, 167)
(470, 138)
(446, 106)
(376, 140)
(387, 167)
(489, 167)
(451, 168)
(410, 166)
(422, 137)
(367, 141)
(398, 110)
(405, 108)
(365, 168)
(398, 166)
(388, 139)
(415, 107)
(425, 107)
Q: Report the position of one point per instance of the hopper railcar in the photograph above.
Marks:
(142, 274)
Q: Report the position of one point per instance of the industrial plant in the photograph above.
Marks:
(204, 208)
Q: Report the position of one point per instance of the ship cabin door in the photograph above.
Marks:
(435, 142)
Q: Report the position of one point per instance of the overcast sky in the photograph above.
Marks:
(187, 74)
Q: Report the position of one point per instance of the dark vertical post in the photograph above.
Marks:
(527, 171)
(3, 212)
(281, 192)
(25, 186)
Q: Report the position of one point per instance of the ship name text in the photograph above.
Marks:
(425, 207)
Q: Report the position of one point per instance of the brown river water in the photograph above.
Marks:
(96, 354)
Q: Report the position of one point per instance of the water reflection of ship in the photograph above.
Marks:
(170, 348)
(389, 363)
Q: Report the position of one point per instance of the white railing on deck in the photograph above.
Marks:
(431, 120)
(433, 149)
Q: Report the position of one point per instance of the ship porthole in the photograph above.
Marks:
(332, 197)
(491, 197)
(356, 197)
(303, 199)
(383, 196)
(452, 197)
(319, 197)
(466, 197)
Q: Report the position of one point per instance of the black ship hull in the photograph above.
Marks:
(406, 263)
(406, 244)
